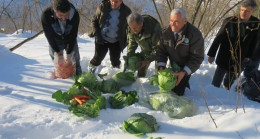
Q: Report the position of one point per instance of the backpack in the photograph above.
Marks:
(251, 88)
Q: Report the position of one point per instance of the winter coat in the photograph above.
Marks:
(256, 54)
(148, 41)
(233, 48)
(187, 51)
(100, 17)
(54, 33)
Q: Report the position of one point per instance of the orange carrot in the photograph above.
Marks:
(78, 100)
(82, 97)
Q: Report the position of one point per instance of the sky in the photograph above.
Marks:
(28, 111)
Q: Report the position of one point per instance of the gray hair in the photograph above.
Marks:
(135, 17)
(249, 3)
(181, 11)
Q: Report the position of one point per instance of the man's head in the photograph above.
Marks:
(247, 9)
(178, 19)
(115, 3)
(61, 8)
(135, 22)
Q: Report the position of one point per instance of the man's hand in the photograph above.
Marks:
(211, 59)
(180, 76)
(143, 64)
(60, 58)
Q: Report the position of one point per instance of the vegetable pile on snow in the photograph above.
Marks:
(122, 99)
(175, 106)
(140, 124)
(83, 101)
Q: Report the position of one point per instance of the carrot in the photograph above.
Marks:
(78, 100)
(82, 97)
(83, 100)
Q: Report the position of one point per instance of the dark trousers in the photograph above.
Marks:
(101, 51)
(219, 75)
(249, 68)
(180, 89)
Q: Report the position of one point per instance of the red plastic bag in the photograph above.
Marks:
(64, 68)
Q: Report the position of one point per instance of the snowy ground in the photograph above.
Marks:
(28, 111)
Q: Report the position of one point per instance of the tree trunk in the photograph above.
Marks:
(26, 40)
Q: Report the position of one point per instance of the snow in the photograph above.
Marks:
(28, 111)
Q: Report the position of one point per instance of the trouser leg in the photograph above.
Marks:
(115, 53)
(142, 72)
(218, 76)
(229, 79)
(100, 53)
(180, 89)
(75, 54)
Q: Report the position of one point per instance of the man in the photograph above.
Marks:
(60, 25)
(144, 31)
(184, 45)
(236, 41)
(109, 28)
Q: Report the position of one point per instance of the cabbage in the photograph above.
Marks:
(124, 78)
(109, 86)
(122, 99)
(164, 79)
(175, 106)
(89, 80)
(140, 124)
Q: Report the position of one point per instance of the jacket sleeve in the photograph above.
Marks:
(155, 41)
(132, 45)
(196, 52)
(95, 22)
(48, 31)
(72, 37)
(217, 41)
(162, 54)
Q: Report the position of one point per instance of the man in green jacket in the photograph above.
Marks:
(109, 27)
(144, 32)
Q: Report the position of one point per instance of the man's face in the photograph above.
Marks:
(135, 27)
(115, 3)
(246, 13)
(177, 22)
(62, 16)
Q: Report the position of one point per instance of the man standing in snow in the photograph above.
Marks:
(184, 45)
(109, 28)
(60, 25)
(236, 41)
(144, 32)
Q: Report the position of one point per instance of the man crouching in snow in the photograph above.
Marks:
(184, 45)
(60, 25)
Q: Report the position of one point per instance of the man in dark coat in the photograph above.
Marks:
(109, 26)
(60, 25)
(183, 44)
(236, 41)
